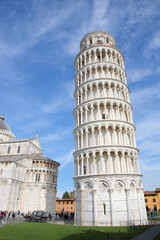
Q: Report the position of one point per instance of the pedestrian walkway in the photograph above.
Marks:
(150, 234)
(17, 219)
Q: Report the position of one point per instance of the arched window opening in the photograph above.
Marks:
(104, 208)
(103, 116)
(37, 177)
(9, 148)
(18, 150)
(84, 170)
(99, 42)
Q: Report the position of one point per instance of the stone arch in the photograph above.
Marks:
(132, 184)
(78, 186)
(102, 186)
(87, 185)
(119, 185)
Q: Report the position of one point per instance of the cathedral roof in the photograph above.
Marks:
(4, 128)
(12, 158)
(34, 156)
(40, 156)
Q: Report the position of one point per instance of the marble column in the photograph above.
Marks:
(111, 206)
(95, 207)
(129, 215)
(82, 207)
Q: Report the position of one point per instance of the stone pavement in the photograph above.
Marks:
(150, 234)
(17, 219)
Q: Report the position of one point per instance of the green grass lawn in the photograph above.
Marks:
(47, 231)
(158, 237)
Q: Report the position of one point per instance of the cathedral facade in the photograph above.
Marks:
(28, 179)
(108, 182)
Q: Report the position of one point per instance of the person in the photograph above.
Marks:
(13, 215)
(49, 216)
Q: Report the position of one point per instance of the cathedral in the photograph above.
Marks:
(28, 179)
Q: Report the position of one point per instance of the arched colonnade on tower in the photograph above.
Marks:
(101, 89)
(104, 134)
(99, 54)
(100, 71)
(106, 161)
(101, 110)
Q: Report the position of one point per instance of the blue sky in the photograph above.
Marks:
(39, 41)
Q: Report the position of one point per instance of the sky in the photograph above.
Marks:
(39, 41)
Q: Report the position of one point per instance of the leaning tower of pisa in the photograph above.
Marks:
(108, 183)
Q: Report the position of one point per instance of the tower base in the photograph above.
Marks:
(109, 200)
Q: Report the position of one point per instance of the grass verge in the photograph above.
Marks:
(46, 231)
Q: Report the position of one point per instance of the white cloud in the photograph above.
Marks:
(50, 137)
(154, 42)
(136, 75)
(63, 102)
(142, 95)
(67, 158)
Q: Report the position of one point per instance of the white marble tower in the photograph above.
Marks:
(108, 183)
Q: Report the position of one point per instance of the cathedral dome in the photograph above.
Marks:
(5, 131)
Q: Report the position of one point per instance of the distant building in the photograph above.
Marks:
(65, 205)
(152, 199)
(28, 179)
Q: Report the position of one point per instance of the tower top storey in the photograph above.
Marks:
(97, 38)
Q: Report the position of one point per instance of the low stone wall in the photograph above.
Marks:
(62, 221)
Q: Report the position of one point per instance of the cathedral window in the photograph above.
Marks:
(9, 150)
(84, 170)
(18, 150)
(103, 116)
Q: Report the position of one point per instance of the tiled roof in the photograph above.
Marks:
(17, 140)
(35, 156)
(40, 156)
(65, 199)
(149, 192)
(12, 158)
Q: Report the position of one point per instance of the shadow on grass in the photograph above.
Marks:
(93, 235)
(116, 234)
